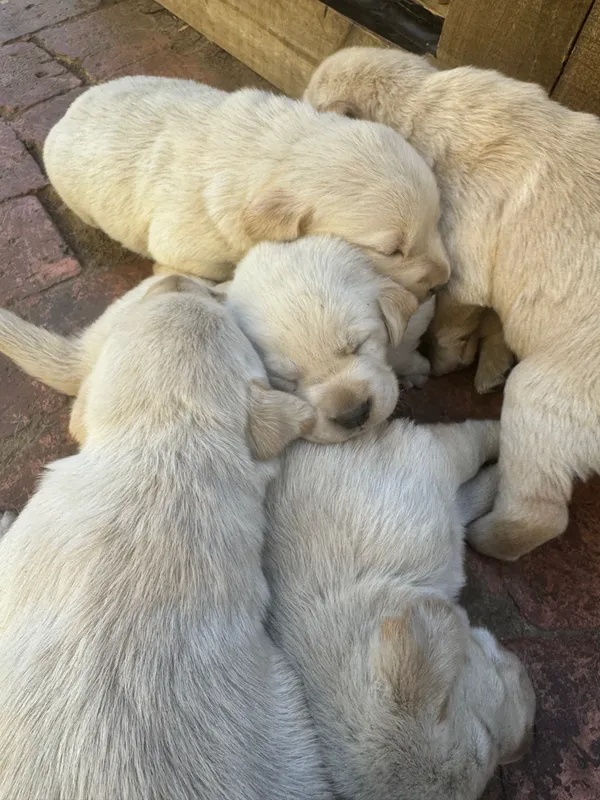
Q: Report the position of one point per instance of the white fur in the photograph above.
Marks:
(193, 177)
(519, 177)
(364, 555)
(407, 362)
(133, 660)
(323, 320)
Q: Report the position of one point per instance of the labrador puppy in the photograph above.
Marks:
(323, 320)
(193, 177)
(364, 556)
(328, 327)
(133, 659)
(519, 176)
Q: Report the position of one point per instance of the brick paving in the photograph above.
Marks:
(56, 271)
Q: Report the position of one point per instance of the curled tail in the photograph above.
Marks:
(55, 360)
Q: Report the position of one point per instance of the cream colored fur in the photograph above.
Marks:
(412, 367)
(364, 555)
(325, 324)
(193, 177)
(520, 183)
(133, 660)
(324, 321)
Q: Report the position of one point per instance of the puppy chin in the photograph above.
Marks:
(327, 432)
(384, 396)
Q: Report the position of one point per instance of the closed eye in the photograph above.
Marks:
(283, 384)
(352, 349)
(397, 252)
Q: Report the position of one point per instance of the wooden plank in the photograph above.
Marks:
(527, 39)
(407, 23)
(579, 84)
(281, 40)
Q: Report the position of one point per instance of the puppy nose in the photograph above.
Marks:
(355, 417)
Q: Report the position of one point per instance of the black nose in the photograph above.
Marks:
(355, 417)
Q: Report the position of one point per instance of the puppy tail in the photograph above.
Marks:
(48, 357)
(476, 497)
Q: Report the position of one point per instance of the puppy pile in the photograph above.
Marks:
(189, 607)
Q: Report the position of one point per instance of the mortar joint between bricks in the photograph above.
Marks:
(73, 65)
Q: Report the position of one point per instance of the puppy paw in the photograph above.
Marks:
(415, 381)
(507, 539)
(413, 372)
(456, 353)
(488, 385)
(495, 359)
(491, 375)
(6, 520)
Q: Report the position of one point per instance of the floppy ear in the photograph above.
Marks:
(276, 419)
(275, 215)
(420, 653)
(397, 306)
(346, 108)
(77, 426)
(176, 282)
(220, 290)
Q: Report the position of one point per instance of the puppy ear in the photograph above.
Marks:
(397, 306)
(220, 290)
(420, 654)
(346, 108)
(275, 215)
(276, 419)
(77, 426)
(175, 282)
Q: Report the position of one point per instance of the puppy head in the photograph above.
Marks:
(168, 358)
(322, 320)
(452, 704)
(369, 83)
(363, 183)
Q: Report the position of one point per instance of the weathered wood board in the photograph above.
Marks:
(527, 39)
(281, 40)
(553, 42)
(579, 84)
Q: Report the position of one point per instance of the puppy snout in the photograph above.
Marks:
(355, 417)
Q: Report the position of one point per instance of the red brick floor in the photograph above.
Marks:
(57, 272)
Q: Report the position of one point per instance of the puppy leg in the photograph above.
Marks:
(469, 445)
(173, 245)
(495, 359)
(415, 371)
(454, 334)
(542, 447)
(6, 520)
(476, 497)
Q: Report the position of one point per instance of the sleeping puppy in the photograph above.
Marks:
(520, 183)
(323, 320)
(364, 556)
(133, 659)
(192, 177)
(326, 325)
